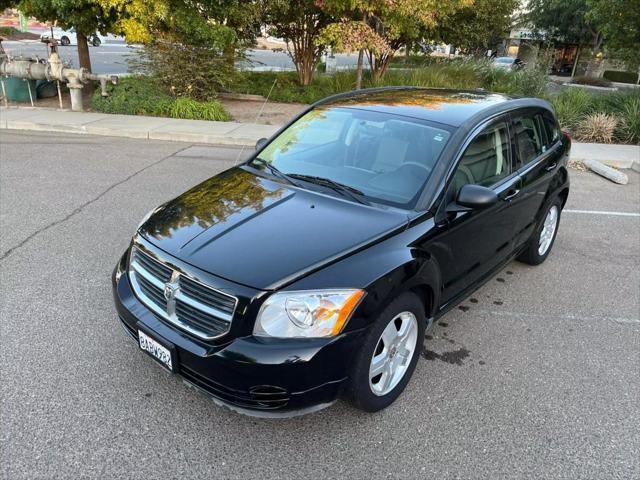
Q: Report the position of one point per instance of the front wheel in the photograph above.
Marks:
(96, 42)
(544, 236)
(65, 41)
(389, 354)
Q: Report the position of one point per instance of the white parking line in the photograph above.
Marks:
(603, 212)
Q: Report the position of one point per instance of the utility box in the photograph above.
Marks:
(17, 89)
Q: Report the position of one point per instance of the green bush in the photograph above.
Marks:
(191, 109)
(629, 127)
(143, 96)
(572, 106)
(194, 71)
(591, 81)
(7, 31)
(621, 77)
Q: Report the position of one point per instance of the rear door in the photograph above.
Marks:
(473, 243)
(538, 151)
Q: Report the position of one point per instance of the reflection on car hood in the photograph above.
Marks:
(261, 233)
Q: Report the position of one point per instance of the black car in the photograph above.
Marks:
(313, 269)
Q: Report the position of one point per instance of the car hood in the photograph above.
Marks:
(262, 233)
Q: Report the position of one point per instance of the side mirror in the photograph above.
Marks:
(476, 197)
(261, 143)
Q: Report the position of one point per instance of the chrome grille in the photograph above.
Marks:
(183, 301)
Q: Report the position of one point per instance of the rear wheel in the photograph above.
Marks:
(96, 42)
(388, 355)
(542, 240)
(65, 41)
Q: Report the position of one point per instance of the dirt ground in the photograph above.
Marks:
(246, 111)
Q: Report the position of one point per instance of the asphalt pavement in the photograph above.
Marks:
(536, 375)
(112, 58)
(109, 58)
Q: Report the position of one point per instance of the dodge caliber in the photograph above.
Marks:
(312, 270)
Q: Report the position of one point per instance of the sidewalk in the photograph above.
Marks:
(222, 133)
(130, 126)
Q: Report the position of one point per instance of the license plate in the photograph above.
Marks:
(158, 351)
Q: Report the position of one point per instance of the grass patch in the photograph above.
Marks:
(435, 73)
(144, 96)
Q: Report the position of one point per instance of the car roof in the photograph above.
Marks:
(455, 108)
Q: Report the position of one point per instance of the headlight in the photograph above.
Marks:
(308, 314)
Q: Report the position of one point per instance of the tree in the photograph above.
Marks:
(564, 21)
(472, 28)
(85, 16)
(397, 22)
(619, 22)
(299, 23)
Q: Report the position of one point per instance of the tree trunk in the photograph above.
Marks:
(84, 59)
(229, 53)
(359, 69)
(575, 62)
(83, 51)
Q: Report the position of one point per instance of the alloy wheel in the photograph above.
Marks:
(548, 230)
(393, 353)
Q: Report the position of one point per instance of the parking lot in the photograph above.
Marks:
(537, 375)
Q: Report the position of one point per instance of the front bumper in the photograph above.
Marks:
(263, 376)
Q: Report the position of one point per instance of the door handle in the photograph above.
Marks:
(550, 167)
(512, 194)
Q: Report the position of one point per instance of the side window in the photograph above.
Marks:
(551, 126)
(486, 160)
(528, 136)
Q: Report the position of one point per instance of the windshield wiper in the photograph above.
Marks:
(274, 170)
(344, 190)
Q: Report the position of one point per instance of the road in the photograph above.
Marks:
(535, 376)
(112, 57)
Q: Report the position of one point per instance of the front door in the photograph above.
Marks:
(471, 244)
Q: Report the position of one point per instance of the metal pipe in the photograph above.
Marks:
(54, 69)
(30, 95)
(4, 93)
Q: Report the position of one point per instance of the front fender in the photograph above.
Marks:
(384, 270)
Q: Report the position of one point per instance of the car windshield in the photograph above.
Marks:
(504, 60)
(387, 158)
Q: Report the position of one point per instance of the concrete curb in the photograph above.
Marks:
(612, 155)
(129, 126)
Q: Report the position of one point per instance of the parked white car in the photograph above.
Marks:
(69, 37)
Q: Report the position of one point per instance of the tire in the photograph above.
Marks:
(373, 394)
(535, 252)
(96, 42)
(65, 41)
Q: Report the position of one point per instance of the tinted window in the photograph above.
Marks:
(486, 160)
(387, 157)
(551, 126)
(529, 138)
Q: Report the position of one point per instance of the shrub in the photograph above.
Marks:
(185, 70)
(134, 96)
(143, 96)
(629, 127)
(193, 110)
(621, 77)
(7, 31)
(591, 81)
(597, 127)
(572, 106)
